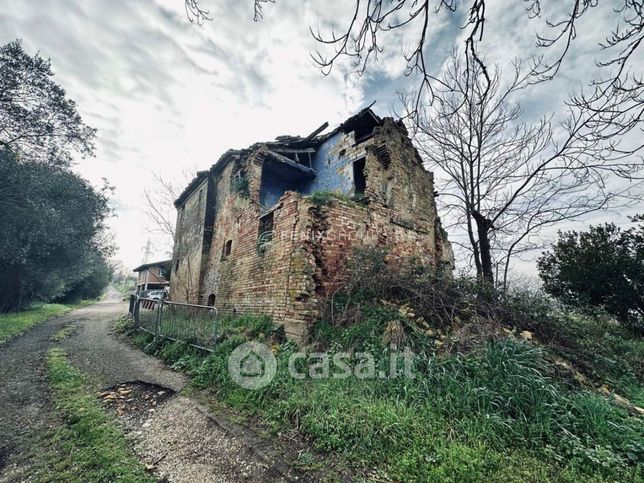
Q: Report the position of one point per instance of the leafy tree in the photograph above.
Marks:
(51, 220)
(37, 120)
(98, 275)
(52, 223)
(602, 267)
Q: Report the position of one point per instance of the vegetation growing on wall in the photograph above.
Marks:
(324, 198)
(239, 184)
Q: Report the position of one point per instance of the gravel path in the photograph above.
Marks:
(93, 349)
(25, 405)
(178, 438)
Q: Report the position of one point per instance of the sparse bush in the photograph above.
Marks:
(375, 274)
(323, 198)
(320, 198)
(240, 185)
(590, 338)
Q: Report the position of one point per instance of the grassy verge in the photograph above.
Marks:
(90, 446)
(496, 414)
(125, 290)
(15, 323)
(63, 333)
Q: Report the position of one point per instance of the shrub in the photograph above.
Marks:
(323, 198)
(602, 268)
(375, 274)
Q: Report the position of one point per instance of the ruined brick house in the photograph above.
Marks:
(259, 233)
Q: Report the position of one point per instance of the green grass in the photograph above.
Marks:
(595, 343)
(324, 198)
(15, 323)
(497, 414)
(90, 446)
(63, 333)
(126, 289)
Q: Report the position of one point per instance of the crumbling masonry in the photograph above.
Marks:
(267, 229)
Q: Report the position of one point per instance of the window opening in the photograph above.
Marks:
(265, 233)
(359, 179)
(228, 248)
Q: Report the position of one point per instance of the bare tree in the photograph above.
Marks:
(159, 210)
(362, 39)
(364, 33)
(368, 23)
(505, 180)
(161, 221)
(195, 13)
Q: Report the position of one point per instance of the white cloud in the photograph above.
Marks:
(166, 94)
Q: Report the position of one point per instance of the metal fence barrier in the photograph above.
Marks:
(196, 325)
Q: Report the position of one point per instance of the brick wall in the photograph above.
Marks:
(291, 277)
(188, 256)
(153, 276)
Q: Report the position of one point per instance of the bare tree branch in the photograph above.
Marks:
(195, 13)
(506, 180)
(159, 210)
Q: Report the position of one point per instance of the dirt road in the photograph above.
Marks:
(171, 433)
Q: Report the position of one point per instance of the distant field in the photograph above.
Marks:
(15, 323)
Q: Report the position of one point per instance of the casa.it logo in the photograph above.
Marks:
(252, 365)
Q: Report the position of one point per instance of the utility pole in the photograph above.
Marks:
(147, 250)
(146, 258)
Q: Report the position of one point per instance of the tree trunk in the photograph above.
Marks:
(475, 248)
(483, 227)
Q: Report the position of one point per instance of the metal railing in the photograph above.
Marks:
(196, 325)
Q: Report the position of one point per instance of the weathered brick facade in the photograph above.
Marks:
(252, 239)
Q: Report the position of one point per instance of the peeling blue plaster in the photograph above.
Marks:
(333, 173)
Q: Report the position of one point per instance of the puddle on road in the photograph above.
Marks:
(136, 400)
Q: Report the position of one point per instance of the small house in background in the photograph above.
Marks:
(153, 276)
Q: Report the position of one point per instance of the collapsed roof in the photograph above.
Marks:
(290, 155)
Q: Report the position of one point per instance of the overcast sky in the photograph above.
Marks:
(168, 96)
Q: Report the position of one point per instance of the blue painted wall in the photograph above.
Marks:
(334, 173)
(273, 187)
